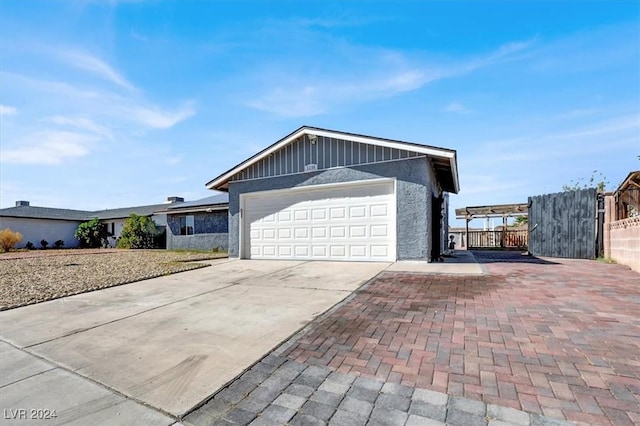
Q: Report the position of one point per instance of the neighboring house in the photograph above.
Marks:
(621, 227)
(42, 223)
(114, 218)
(201, 224)
(52, 224)
(329, 195)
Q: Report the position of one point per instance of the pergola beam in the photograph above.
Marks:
(497, 210)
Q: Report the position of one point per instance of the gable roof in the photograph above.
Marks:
(125, 212)
(443, 160)
(35, 212)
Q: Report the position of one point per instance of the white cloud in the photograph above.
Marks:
(79, 123)
(380, 74)
(49, 147)
(159, 119)
(457, 107)
(8, 110)
(94, 65)
(86, 109)
(24, 82)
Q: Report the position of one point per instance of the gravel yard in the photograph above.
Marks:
(37, 276)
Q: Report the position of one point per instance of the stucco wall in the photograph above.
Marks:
(210, 231)
(198, 242)
(216, 222)
(414, 187)
(35, 230)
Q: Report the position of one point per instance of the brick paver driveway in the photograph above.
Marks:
(555, 337)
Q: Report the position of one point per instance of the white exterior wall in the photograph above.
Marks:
(35, 230)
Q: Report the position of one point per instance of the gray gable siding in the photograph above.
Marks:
(325, 153)
(415, 185)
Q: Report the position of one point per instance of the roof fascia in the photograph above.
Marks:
(196, 210)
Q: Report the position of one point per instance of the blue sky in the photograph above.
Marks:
(117, 103)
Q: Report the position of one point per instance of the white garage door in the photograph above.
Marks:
(344, 222)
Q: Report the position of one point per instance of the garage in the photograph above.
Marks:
(320, 194)
(351, 221)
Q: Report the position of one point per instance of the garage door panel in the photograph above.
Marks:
(357, 212)
(358, 251)
(284, 251)
(338, 232)
(319, 232)
(318, 214)
(338, 251)
(379, 231)
(319, 251)
(301, 233)
(337, 213)
(378, 251)
(301, 251)
(284, 216)
(284, 233)
(358, 231)
(353, 222)
(379, 210)
(301, 215)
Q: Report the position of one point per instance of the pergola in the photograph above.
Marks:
(504, 211)
(627, 197)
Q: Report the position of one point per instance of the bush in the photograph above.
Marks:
(58, 244)
(29, 245)
(9, 239)
(44, 243)
(138, 232)
(92, 234)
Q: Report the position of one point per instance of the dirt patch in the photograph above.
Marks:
(37, 276)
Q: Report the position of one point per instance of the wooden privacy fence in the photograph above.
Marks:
(563, 224)
(494, 239)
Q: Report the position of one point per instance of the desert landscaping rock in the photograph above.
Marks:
(46, 275)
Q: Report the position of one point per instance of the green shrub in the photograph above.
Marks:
(9, 239)
(29, 245)
(138, 232)
(44, 243)
(58, 244)
(92, 234)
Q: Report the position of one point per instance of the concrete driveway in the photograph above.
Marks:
(166, 343)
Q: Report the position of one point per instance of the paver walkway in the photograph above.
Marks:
(550, 339)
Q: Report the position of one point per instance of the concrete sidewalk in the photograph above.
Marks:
(461, 262)
(169, 342)
(34, 390)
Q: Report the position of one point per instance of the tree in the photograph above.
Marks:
(138, 232)
(9, 239)
(597, 180)
(521, 220)
(92, 234)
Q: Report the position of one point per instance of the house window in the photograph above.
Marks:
(186, 225)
